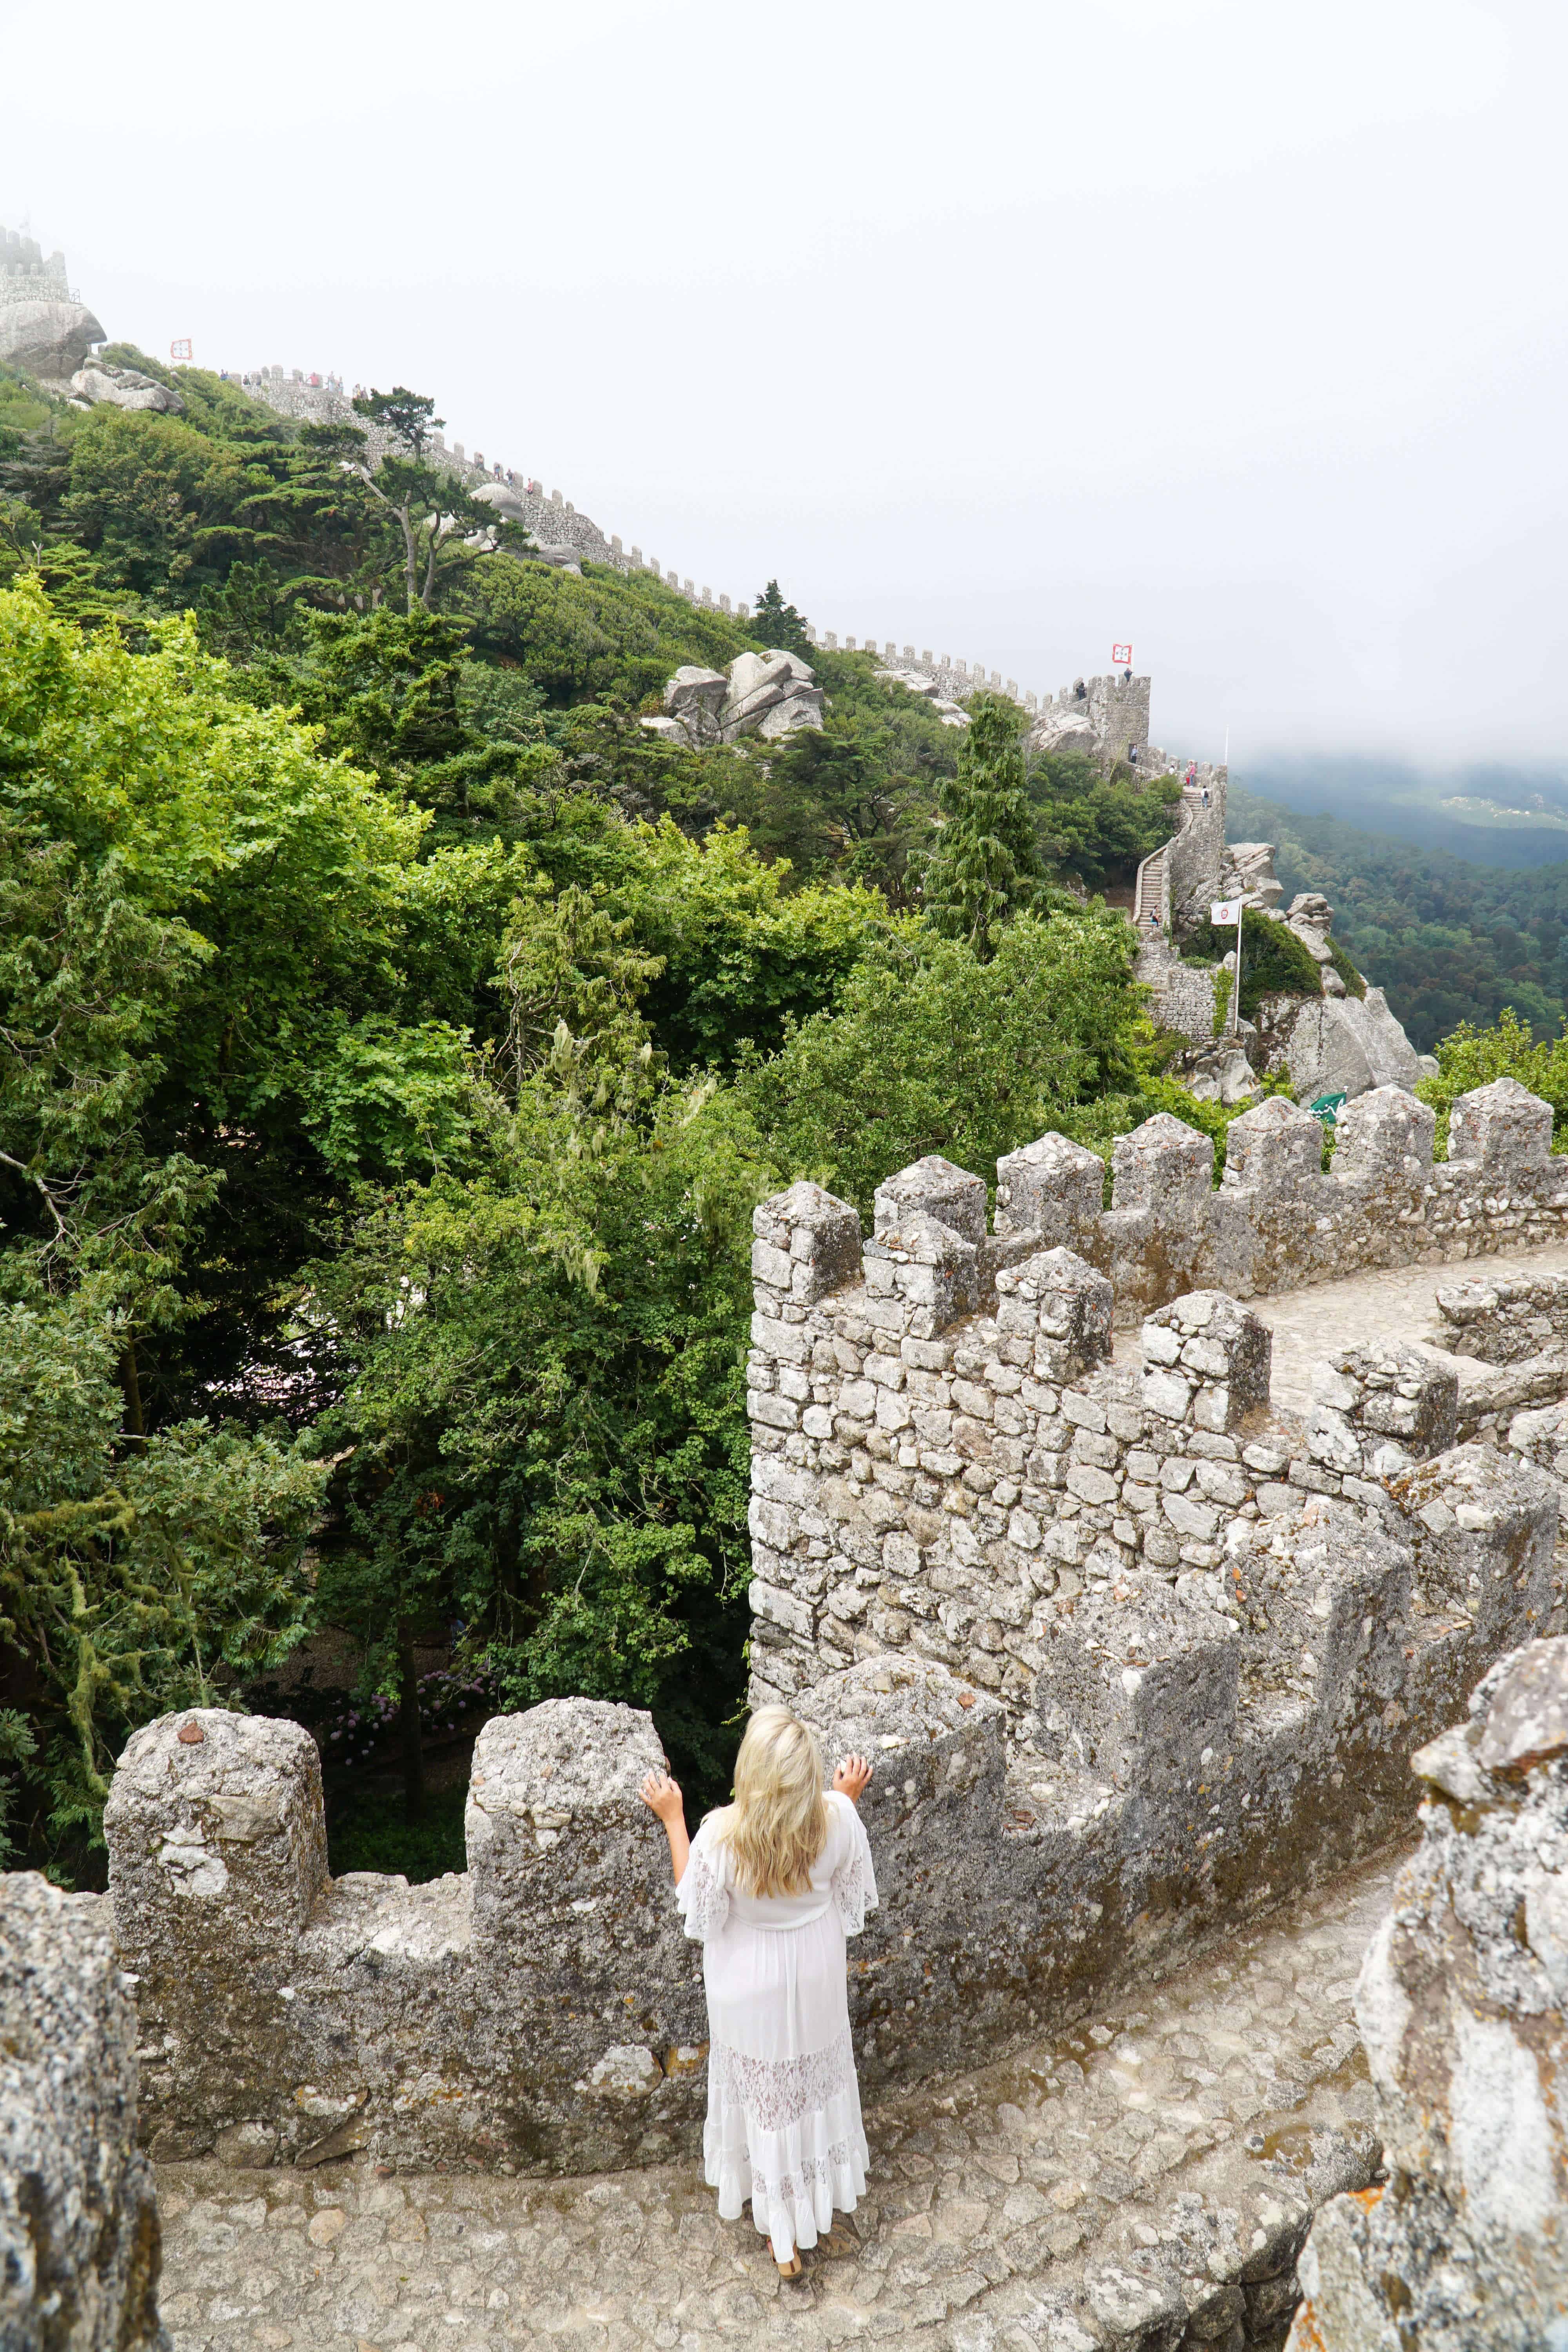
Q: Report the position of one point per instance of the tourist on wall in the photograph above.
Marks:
(769, 1887)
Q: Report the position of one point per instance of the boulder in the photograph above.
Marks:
(97, 384)
(802, 708)
(506, 502)
(1060, 730)
(1309, 917)
(756, 682)
(694, 698)
(507, 505)
(47, 338)
(769, 694)
(1342, 1045)
(1223, 1075)
(1248, 874)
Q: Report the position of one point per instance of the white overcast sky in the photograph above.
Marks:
(1235, 328)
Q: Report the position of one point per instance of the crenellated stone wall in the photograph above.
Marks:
(1277, 1222)
(1132, 1652)
(1196, 1748)
(943, 1453)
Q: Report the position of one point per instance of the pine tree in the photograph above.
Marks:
(778, 625)
(983, 865)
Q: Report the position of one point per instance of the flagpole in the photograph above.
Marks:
(1235, 993)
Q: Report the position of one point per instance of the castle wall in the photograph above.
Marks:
(1462, 2005)
(1504, 1319)
(944, 1459)
(1196, 857)
(1181, 995)
(1132, 1654)
(79, 2217)
(27, 275)
(1118, 706)
(541, 2012)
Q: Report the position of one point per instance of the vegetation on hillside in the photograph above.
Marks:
(394, 1041)
(1274, 961)
(1448, 940)
(1473, 1056)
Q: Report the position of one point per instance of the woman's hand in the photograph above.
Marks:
(662, 1796)
(850, 1775)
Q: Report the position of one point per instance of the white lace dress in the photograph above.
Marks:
(783, 2106)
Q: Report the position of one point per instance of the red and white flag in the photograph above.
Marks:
(1122, 657)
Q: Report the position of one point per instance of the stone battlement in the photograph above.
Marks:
(941, 1446)
(1134, 1655)
(1191, 1761)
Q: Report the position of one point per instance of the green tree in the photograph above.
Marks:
(1473, 1056)
(134, 1577)
(982, 867)
(543, 1426)
(933, 1048)
(433, 512)
(317, 529)
(828, 800)
(607, 636)
(409, 416)
(778, 625)
(1099, 829)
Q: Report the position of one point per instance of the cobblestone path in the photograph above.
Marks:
(1156, 2164)
(1397, 1302)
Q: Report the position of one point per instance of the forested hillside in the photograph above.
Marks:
(1450, 940)
(394, 1039)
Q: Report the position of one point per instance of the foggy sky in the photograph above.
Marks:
(1235, 328)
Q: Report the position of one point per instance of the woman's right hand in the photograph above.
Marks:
(850, 1775)
(662, 1796)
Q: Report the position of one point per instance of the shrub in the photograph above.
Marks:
(1473, 1058)
(1274, 961)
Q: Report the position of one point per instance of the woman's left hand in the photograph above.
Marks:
(850, 1775)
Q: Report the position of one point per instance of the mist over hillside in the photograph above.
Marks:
(1449, 937)
(1490, 813)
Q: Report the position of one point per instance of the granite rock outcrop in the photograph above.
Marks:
(47, 336)
(98, 384)
(767, 695)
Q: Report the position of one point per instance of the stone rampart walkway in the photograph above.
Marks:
(1152, 2168)
(1390, 1303)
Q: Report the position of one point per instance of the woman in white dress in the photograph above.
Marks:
(770, 1887)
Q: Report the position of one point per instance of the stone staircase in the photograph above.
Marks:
(1149, 889)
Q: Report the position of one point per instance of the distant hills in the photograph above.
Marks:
(1450, 937)
(1491, 813)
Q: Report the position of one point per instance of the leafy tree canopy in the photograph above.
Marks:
(395, 1036)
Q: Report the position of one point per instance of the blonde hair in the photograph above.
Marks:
(777, 1825)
